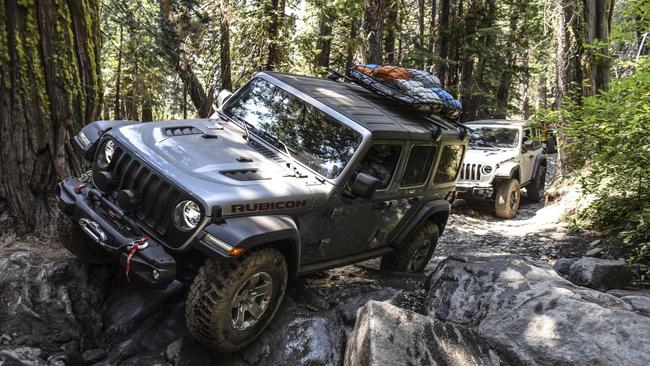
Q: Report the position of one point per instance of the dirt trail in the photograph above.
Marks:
(537, 231)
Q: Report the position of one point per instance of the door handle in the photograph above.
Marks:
(382, 205)
(531, 156)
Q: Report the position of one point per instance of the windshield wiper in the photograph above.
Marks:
(290, 164)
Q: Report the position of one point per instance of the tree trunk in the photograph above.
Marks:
(50, 87)
(597, 27)
(171, 46)
(420, 39)
(224, 45)
(373, 27)
(147, 108)
(432, 35)
(324, 42)
(352, 45)
(276, 11)
(443, 34)
(117, 106)
(568, 52)
(391, 30)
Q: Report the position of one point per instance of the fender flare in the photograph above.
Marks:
(507, 170)
(94, 132)
(425, 212)
(538, 162)
(254, 231)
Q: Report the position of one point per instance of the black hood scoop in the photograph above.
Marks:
(182, 131)
(245, 174)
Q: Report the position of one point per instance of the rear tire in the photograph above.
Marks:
(535, 190)
(230, 304)
(507, 199)
(415, 255)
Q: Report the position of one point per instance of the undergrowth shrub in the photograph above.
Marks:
(611, 131)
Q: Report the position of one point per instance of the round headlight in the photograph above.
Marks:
(106, 152)
(187, 215)
(486, 169)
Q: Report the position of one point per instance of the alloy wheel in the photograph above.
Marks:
(251, 301)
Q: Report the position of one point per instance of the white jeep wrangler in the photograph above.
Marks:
(503, 157)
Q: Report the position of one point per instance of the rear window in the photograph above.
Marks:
(418, 166)
(450, 159)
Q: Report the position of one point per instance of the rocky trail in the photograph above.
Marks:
(56, 310)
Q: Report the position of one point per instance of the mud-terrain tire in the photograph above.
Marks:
(535, 189)
(415, 255)
(507, 199)
(82, 247)
(219, 287)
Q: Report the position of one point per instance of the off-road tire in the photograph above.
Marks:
(535, 189)
(209, 303)
(82, 247)
(414, 256)
(507, 199)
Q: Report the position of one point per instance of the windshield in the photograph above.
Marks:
(315, 139)
(494, 137)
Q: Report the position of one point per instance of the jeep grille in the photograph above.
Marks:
(471, 172)
(157, 196)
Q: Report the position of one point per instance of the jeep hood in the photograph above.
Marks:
(493, 157)
(220, 169)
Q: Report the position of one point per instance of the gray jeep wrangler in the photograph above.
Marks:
(292, 175)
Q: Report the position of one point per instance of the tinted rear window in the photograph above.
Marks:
(450, 159)
(418, 166)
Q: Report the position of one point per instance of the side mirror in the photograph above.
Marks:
(364, 185)
(528, 144)
(222, 97)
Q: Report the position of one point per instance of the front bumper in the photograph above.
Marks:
(152, 264)
(480, 192)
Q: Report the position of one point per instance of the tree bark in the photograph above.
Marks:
(391, 30)
(50, 86)
(432, 35)
(443, 34)
(373, 27)
(171, 46)
(352, 45)
(224, 45)
(597, 26)
(276, 11)
(324, 42)
(117, 106)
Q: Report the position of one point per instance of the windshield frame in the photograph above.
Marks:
(366, 135)
(477, 127)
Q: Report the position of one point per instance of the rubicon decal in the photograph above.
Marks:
(267, 206)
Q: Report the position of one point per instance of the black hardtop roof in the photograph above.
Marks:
(383, 118)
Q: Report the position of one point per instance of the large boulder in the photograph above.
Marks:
(48, 300)
(535, 316)
(601, 274)
(388, 335)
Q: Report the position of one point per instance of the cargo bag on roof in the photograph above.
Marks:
(416, 88)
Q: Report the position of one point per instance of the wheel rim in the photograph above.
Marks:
(251, 301)
(514, 200)
(419, 255)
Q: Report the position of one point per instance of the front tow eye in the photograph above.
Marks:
(95, 232)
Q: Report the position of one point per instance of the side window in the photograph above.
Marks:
(380, 162)
(528, 136)
(418, 166)
(537, 139)
(450, 159)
